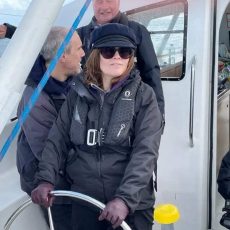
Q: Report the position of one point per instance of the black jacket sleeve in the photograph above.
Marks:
(58, 143)
(143, 160)
(147, 62)
(224, 177)
(10, 30)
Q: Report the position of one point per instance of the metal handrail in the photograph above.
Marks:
(76, 195)
(191, 114)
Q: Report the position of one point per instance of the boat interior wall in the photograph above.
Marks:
(223, 116)
(189, 186)
(221, 112)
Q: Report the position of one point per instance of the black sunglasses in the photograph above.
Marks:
(109, 52)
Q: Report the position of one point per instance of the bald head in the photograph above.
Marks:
(105, 10)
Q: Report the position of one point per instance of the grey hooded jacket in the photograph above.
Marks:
(119, 166)
(35, 129)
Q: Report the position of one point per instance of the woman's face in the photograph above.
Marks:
(115, 66)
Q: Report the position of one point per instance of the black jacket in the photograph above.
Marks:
(122, 164)
(224, 177)
(34, 131)
(10, 29)
(146, 58)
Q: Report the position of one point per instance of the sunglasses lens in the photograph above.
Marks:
(109, 52)
(125, 52)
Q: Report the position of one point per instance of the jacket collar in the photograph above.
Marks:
(80, 87)
(93, 92)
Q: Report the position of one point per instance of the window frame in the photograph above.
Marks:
(162, 4)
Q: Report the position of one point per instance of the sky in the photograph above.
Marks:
(12, 11)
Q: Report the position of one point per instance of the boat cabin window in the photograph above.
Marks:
(166, 22)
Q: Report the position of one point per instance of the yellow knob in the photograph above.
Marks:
(166, 214)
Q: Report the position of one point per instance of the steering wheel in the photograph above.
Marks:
(71, 194)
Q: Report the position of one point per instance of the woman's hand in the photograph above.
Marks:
(41, 194)
(115, 212)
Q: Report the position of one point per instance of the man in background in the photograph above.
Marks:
(35, 129)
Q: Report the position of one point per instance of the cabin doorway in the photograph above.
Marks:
(223, 102)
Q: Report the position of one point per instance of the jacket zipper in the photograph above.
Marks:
(99, 154)
(99, 125)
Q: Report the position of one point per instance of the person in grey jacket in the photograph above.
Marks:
(107, 11)
(35, 129)
(112, 123)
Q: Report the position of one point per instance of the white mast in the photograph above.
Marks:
(21, 52)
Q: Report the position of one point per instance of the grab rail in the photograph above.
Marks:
(191, 114)
(76, 195)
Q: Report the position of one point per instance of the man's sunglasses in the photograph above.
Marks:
(109, 52)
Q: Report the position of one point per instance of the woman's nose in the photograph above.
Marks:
(116, 55)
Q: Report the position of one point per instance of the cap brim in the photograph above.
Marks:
(116, 44)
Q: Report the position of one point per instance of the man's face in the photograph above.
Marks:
(74, 56)
(105, 10)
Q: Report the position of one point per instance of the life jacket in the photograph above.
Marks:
(85, 123)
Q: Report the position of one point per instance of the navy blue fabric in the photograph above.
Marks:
(113, 35)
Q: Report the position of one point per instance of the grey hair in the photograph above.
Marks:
(53, 42)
